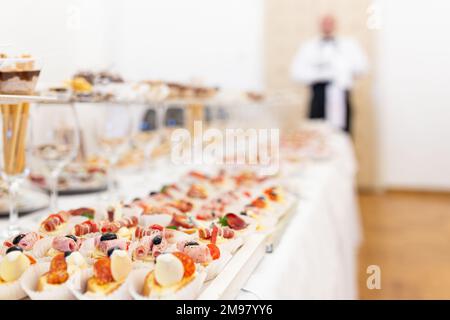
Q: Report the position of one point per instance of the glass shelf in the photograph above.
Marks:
(11, 98)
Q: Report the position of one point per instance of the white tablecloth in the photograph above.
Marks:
(316, 257)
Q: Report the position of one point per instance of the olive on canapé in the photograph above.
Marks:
(108, 236)
(157, 240)
(71, 236)
(14, 248)
(17, 238)
(111, 250)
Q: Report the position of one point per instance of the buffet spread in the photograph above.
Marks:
(164, 245)
(200, 236)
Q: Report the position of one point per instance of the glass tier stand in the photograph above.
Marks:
(15, 119)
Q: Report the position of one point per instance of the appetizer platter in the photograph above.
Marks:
(199, 237)
(75, 179)
(228, 284)
(311, 142)
(273, 238)
(28, 201)
(174, 243)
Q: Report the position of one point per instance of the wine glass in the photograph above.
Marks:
(113, 134)
(15, 134)
(149, 130)
(55, 139)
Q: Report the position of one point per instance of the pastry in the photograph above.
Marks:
(173, 272)
(109, 273)
(14, 264)
(62, 267)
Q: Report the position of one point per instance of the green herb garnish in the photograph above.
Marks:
(88, 215)
(223, 221)
(164, 189)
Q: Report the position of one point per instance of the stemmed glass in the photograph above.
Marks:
(149, 130)
(55, 142)
(15, 120)
(113, 133)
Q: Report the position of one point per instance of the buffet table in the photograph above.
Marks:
(316, 255)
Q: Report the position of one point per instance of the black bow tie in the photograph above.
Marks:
(328, 39)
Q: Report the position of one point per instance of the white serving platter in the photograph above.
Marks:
(274, 237)
(236, 273)
(238, 270)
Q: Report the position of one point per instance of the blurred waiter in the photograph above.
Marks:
(329, 64)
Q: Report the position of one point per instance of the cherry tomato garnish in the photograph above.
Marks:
(157, 227)
(214, 250)
(214, 233)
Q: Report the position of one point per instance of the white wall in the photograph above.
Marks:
(214, 41)
(66, 35)
(414, 94)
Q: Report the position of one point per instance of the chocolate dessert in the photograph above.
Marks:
(18, 75)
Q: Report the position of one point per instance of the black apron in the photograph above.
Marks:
(317, 104)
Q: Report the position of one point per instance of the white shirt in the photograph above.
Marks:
(336, 61)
